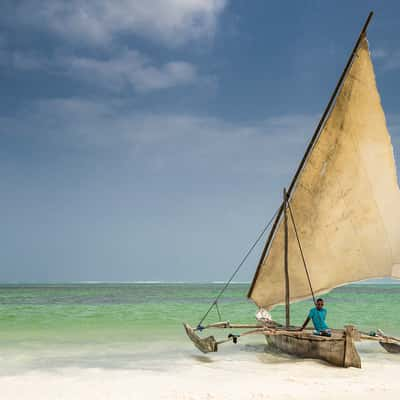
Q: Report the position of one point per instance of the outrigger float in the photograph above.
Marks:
(341, 213)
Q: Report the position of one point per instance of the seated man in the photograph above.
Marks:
(318, 316)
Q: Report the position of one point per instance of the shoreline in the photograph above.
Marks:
(182, 373)
(228, 379)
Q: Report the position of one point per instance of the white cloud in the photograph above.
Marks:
(172, 22)
(389, 60)
(114, 65)
(126, 69)
(392, 61)
(174, 142)
(27, 61)
(130, 68)
(378, 53)
(177, 143)
(18, 59)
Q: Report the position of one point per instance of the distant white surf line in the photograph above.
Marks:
(126, 283)
(164, 282)
(375, 281)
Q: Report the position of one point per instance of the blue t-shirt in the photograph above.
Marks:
(318, 318)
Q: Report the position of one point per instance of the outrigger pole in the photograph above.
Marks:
(210, 344)
(310, 146)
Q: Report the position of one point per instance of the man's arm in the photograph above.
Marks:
(305, 323)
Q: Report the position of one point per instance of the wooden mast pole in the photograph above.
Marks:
(311, 144)
(287, 286)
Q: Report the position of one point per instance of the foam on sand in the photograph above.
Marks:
(250, 374)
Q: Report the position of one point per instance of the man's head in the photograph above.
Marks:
(319, 303)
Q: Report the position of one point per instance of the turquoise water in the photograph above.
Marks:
(137, 319)
(73, 312)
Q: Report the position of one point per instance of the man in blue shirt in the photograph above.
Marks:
(318, 316)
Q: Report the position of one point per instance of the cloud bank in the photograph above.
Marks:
(172, 22)
(128, 69)
(107, 31)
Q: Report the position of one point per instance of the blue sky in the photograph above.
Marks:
(150, 140)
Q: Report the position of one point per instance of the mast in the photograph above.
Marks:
(287, 287)
(311, 145)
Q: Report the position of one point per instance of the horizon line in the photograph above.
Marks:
(155, 282)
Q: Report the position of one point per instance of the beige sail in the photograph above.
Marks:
(346, 201)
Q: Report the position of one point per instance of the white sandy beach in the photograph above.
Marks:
(234, 374)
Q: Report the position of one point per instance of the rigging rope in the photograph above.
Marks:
(214, 303)
(219, 314)
(301, 251)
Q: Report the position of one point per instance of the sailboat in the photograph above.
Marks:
(339, 222)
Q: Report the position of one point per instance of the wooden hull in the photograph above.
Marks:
(338, 350)
(391, 347)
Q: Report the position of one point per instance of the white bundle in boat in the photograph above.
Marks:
(263, 316)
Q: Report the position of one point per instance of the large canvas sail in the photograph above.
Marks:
(345, 202)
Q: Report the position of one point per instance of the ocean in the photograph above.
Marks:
(50, 326)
